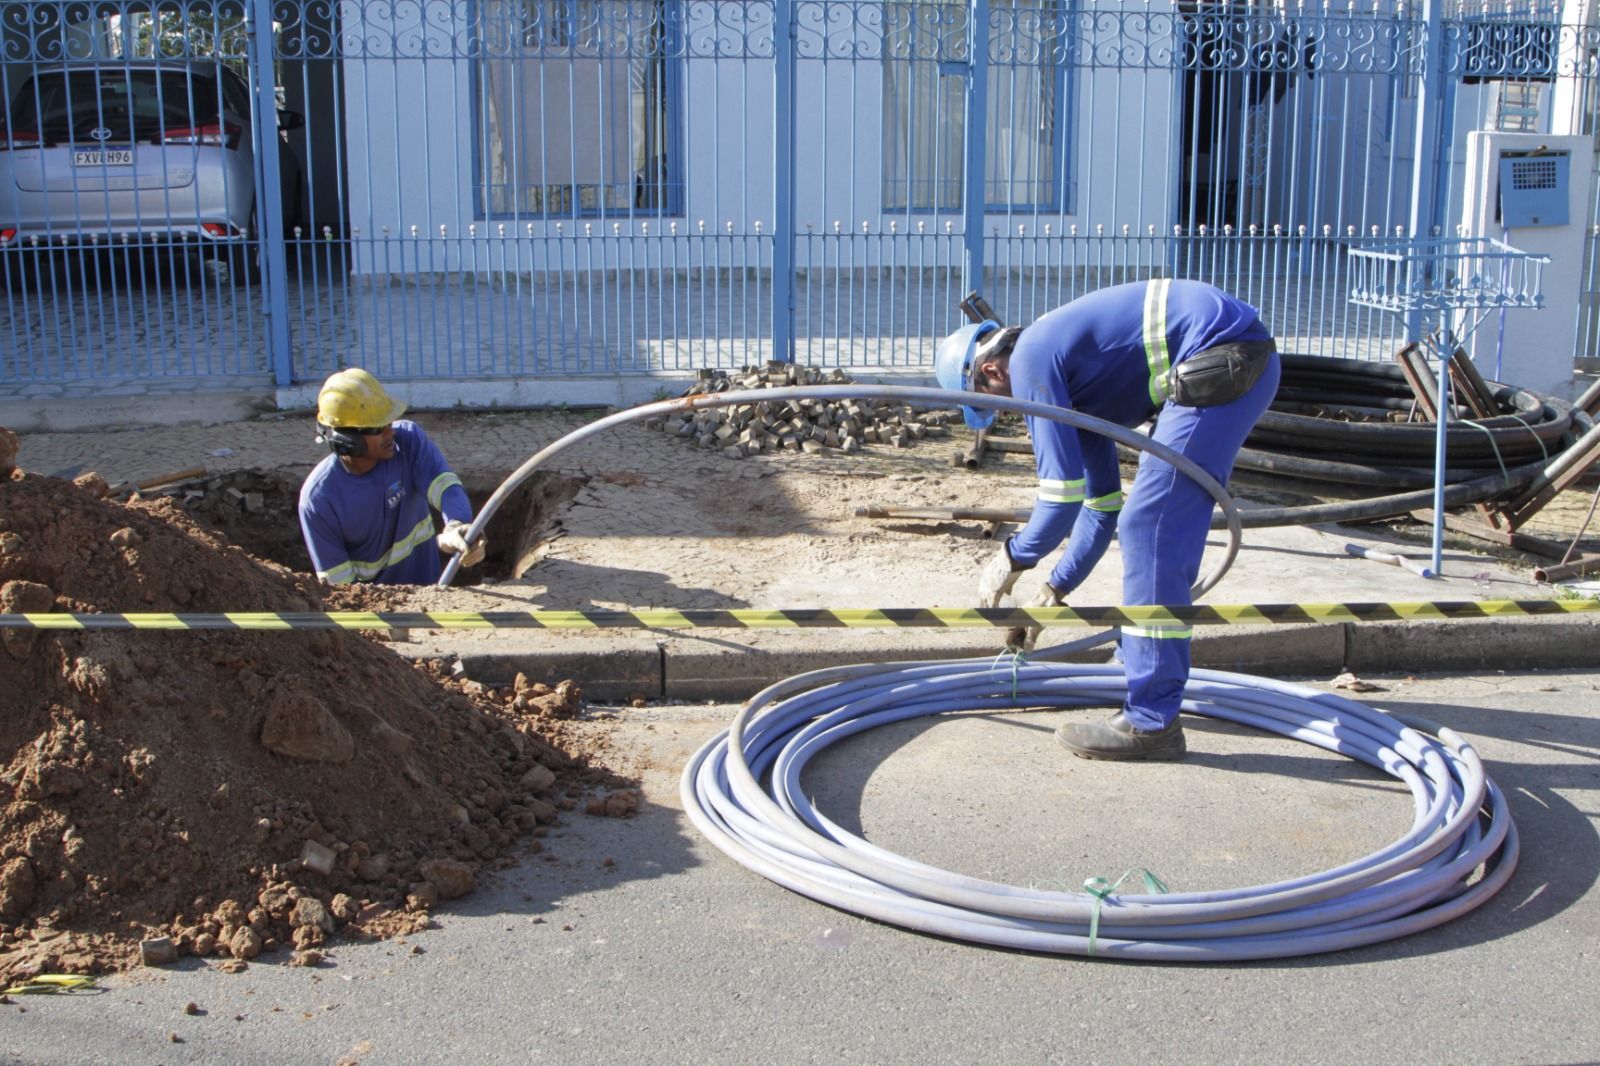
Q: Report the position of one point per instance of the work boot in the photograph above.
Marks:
(1118, 738)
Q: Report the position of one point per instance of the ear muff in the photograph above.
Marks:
(343, 442)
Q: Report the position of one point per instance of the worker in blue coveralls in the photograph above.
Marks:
(366, 511)
(1205, 365)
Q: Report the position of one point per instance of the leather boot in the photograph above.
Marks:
(1118, 738)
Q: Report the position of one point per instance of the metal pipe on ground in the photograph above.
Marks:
(1589, 401)
(973, 454)
(1583, 564)
(1562, 471)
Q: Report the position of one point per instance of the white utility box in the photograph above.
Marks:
(1531, 191)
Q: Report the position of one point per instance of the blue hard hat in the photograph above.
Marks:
(952, 365)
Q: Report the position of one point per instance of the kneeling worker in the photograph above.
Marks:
(1205, 362)
(366, 511)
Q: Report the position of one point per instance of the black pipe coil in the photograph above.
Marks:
(1315, 429)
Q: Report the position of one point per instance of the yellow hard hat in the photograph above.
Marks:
(354, 399)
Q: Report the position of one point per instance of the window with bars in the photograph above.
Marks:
(1026, 150)
(577, 104)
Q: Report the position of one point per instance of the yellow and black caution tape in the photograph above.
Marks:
(820, 618)
(50, 984)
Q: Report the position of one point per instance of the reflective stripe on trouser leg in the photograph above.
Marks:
(1163, 532)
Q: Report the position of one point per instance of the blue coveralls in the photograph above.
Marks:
(378, 526)
(1101, 355)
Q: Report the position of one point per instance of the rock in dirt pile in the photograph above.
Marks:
(222, 793)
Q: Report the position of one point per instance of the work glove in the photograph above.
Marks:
(1023, 638)
(453, 541)
(998, 578)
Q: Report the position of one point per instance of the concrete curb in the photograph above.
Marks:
(667, 665)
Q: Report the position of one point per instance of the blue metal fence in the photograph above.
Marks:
(537, 188)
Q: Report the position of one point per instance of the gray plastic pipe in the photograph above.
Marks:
(743, 791)
(916, 396)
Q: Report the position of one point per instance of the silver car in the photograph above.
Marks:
(136, 152)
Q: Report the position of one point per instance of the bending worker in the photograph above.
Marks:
(1186, 351)
(366, 511)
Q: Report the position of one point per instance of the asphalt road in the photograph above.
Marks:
(637, 942)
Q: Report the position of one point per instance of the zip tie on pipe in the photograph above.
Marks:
(743, 792)
(820, 617)
(1102, 891)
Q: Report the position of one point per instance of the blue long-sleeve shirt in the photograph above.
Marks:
(378, 526)
(1096, 355)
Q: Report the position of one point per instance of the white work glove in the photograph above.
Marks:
(453, 541)
(1023, 638)
(997, 578)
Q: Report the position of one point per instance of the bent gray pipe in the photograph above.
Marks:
(915, 395)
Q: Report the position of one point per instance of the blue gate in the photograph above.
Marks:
(539, 189)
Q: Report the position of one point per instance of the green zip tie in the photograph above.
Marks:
(1101, 891)
(1016, 659)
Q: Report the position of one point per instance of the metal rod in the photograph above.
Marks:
(973, 455)
(1589, 402)
(1441, 423)
(1583, 564)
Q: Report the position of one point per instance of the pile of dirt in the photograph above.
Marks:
(226, 793)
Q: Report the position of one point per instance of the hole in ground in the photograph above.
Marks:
(257, 510)
(521, 527)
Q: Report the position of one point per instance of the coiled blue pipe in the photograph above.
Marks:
(742, 790)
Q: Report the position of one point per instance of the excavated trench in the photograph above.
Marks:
(256, 509)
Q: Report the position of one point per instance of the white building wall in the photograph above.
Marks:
(1335, 152)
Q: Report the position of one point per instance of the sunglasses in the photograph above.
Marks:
(373, 431)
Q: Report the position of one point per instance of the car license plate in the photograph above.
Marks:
(103, 157)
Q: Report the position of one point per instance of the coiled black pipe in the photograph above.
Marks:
(1330, 423)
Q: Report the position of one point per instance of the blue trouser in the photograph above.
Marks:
(1163, 531)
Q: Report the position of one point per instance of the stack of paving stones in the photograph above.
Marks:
(811, 426)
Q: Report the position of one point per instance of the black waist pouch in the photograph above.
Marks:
(1219, 375)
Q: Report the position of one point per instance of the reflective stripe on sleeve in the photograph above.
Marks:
(1061, 491)
(440, 483)
(1156, 356)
